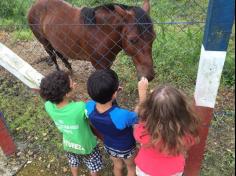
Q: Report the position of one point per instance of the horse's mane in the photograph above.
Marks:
(142, 19)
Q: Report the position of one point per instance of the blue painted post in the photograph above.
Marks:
(213, 54)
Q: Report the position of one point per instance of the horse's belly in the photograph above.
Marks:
(70, 47)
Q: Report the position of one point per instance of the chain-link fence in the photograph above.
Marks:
(178, 27)
(90, 34)
(100, 32)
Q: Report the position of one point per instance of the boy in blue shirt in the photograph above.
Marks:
(112, 122)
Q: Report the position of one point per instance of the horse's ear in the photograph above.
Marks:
(122, 12)
(146, 6)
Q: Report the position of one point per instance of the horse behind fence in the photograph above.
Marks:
(94, 34)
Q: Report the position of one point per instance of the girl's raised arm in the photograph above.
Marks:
(142, 91)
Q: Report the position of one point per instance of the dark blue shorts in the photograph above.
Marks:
(121, 154)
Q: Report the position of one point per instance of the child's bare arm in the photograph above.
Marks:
(142, 91)
(74, 91)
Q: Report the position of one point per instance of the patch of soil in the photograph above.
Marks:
(32, 52)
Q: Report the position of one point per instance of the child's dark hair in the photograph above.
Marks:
(55, 86)
(102, 84)
(169, 118)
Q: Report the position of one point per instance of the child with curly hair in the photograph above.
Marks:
(167, 129)
(69, 116)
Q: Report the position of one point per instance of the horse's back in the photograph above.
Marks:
(53, 22)
(44, 14)
(35, 17)
(45, 7)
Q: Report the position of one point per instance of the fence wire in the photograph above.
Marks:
(169, 18)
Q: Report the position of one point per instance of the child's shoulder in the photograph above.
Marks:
(121, 111)
(90, 106)
(78, 105)
(90, 103)
(48, 103)
(123, 118)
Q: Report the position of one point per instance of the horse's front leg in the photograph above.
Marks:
(65, 61)
(49, 49)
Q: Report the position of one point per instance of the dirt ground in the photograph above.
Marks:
(45, 164)
(33, 53)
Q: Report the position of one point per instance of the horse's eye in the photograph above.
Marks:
(133, 41)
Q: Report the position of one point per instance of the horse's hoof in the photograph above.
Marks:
(43, 59)
(49, 61)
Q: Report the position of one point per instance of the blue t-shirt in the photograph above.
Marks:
(115, 125)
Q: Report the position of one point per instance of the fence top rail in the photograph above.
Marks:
(69, 24)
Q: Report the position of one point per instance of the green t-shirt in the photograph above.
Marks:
(73, 123)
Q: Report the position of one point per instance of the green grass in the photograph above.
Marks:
(220, 155)
(26, 116)
(29, 122)
(23, 35)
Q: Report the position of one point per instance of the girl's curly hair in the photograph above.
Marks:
(170, 120)
(55, 86)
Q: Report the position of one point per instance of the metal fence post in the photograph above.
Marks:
(6, 141)
(213, 54)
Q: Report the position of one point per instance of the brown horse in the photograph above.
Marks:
(94, 34)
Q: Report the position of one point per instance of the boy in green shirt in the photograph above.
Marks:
(78, 140)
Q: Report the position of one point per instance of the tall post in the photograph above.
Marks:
(213, 54)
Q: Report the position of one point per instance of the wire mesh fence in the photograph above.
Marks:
(178, 32)
(178, 26)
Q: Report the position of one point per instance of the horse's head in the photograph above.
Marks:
(137, 38)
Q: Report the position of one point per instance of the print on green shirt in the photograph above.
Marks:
(73, 124)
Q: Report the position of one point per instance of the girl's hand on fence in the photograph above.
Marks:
(74, 85)
(74, 91)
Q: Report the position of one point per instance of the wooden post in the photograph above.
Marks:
(19, 68)
(6, 141)
(213, 54)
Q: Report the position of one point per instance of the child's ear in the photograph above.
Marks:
(114, 95)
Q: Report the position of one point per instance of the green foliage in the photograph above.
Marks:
(229, 68)
(7, 8)
(175, 61)
(229, 71)
(14, 9)
(22, 35)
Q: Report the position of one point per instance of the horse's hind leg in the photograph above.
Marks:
(65, 61)
(52, 54)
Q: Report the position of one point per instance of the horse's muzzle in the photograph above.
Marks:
(150, 76)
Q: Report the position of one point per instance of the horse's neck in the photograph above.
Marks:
(105, 18)
(108, 24)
